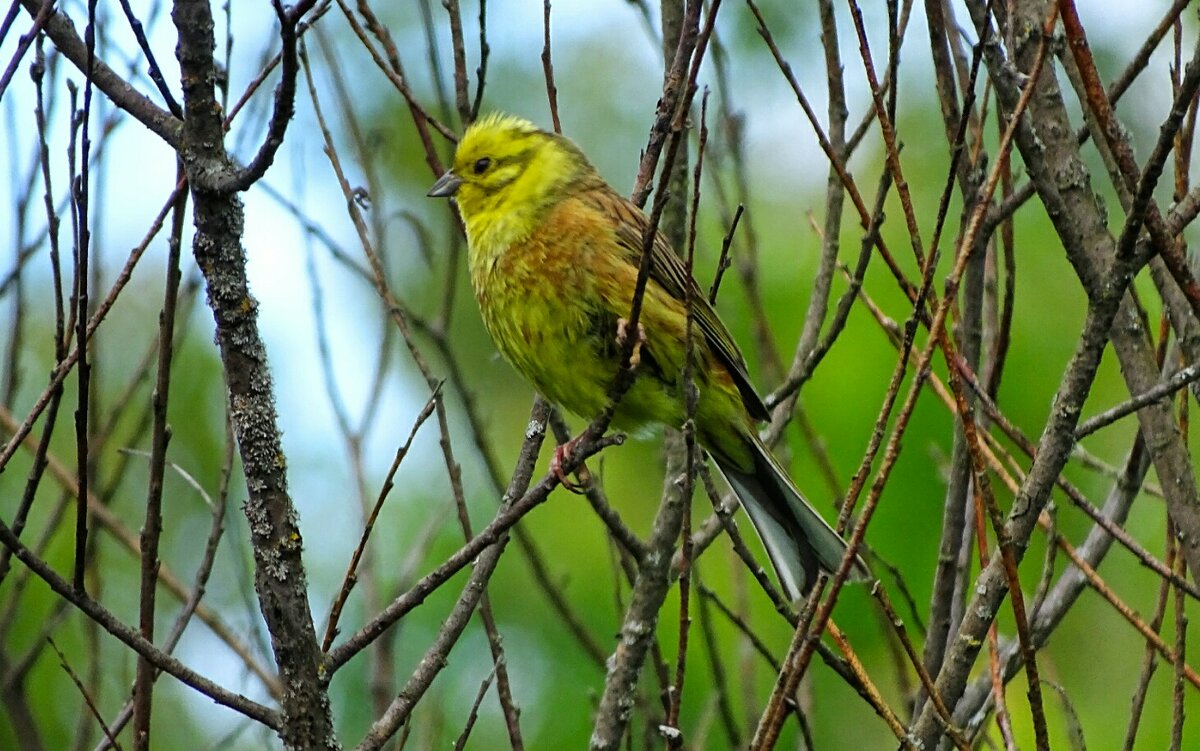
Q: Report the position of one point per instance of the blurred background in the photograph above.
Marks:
(349, 390)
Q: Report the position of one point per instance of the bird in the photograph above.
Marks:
(553, 256)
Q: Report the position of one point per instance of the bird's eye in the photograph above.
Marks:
(482, 165)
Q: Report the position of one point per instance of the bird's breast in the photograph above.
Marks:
(538, 299)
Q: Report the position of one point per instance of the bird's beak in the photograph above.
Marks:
(446, 186)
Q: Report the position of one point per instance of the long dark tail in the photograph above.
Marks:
(798, 540)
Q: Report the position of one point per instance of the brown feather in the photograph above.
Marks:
(669, 271)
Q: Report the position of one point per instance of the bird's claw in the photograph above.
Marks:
(635, 355)
(561, 452)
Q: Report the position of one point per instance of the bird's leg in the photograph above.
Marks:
(561, 452)
(635, 356)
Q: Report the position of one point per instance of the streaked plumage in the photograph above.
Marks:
(553, 258)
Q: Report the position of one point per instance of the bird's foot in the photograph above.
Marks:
(635, 356)
(561, 452)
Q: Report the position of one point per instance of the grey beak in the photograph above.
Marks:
(446, 185)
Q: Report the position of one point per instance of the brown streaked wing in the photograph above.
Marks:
(668, 270)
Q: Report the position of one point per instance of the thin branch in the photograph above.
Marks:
(1169, 386)
(133, 639)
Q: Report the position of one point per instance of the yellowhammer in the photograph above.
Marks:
(554, 255)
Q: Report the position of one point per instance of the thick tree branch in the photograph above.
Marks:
(280, 579)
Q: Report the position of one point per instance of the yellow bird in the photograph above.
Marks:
(553, 257)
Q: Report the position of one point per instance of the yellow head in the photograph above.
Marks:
(506, 173)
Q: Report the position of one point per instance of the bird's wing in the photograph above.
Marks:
(668, 270)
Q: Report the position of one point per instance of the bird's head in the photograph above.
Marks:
(508, 165)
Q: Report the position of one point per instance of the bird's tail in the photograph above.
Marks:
(798, 540)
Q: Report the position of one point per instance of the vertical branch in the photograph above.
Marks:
(677, 93)
(835, 194)
(484, 52)
(153, 524)
(461, 88)
(688, 478)
(280, 578)
(548, 68)
(80, 195)
(1181, 620)
(20, 514)
(640, 622)
(654, 575)
(1178, 677)
(944, 612)
(889, 137)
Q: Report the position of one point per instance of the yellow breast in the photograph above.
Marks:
(539, 302)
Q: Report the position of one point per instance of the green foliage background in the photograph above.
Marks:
(607, 92)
